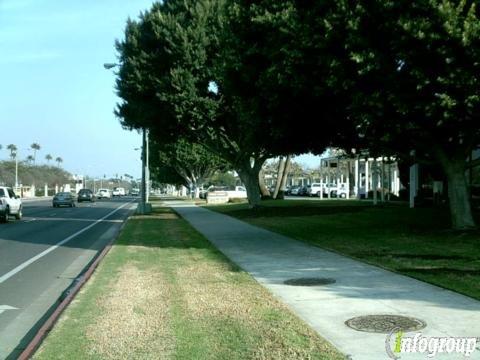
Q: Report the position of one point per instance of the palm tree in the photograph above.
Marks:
(59, 160)
(35, 147)
(13, 151)
(48, 157)
(31, 159)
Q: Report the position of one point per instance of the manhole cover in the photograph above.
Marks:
(385, 323)
(309, 281)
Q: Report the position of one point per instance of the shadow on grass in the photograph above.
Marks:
(416, 256)
(295, 211)
(164, 229)
(439, 270)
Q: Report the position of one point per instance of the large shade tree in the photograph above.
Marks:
(393, 77)
(168, 65)
(415, 87)
(203, 70)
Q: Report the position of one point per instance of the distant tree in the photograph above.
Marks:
(192, 162)
(48, 157)
(13, 151)
(222, 178)
(36, 147)
(30, 159)
(59, 160)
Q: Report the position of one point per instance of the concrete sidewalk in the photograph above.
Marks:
(360, 289)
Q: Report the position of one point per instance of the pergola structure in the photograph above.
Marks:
(362, 174)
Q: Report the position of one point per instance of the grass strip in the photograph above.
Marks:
(414, 242)
(164, 292)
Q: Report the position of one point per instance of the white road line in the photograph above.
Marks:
(6, 307)
(50, 249)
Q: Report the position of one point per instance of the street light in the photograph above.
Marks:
(109, 66)
(143, 208)
(16, 166)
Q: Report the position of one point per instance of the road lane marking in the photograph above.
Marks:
(6, 307)
(60, 243)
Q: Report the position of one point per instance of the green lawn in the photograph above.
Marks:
(164, 292)
(414, 242)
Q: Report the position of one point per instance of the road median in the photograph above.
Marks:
(164, 291)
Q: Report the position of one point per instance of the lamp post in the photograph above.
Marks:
(143, 207)
(16, 170)
(16, 166)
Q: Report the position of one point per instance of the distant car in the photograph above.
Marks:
(103, 194)
(303, 191)
(202, 193)
(294, 190)
(135, 192)
(341, 193)
(334, 190)
(118, 191)
(63, 198)
(315, 189)
(85, 195)
(237, 192)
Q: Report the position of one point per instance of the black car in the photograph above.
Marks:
(85, 195)
(303, 191)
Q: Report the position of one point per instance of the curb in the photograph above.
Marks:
(70, 293)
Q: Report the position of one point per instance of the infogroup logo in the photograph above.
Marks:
(397, 343)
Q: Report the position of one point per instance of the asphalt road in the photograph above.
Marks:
(40, 257)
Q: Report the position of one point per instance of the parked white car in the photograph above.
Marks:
(314, 189)
(10, 204)
(231, 192)
(239, 192)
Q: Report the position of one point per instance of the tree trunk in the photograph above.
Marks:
(249, 175)
(459, 198)
(286, 170)
(278, 183)
(261, 181)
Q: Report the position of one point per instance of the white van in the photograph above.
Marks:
(118, 191)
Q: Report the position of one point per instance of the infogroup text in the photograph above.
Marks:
(429, 345)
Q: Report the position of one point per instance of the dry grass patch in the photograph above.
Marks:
(135, 318)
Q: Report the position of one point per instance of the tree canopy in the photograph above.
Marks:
(415, 89)
(253, 79)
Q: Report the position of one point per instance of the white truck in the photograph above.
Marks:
(118, 191)
(10, 204)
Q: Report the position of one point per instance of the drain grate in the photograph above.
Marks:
(385, 323)
(309, 281)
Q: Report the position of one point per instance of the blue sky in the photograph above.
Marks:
(54, 89)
